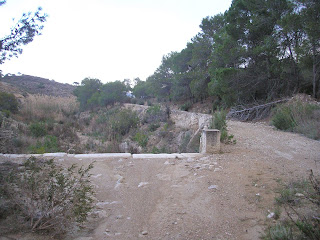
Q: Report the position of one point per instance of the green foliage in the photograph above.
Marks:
(299, 225)
(8, 102)
(155, 114)
(112, 92)
(92, 93)
(141, 139)
(49, 196)
(24, 31)
(283, 118)
(257, 50)
(87, 93)
(219, 121)
(186, 106)
(121, 122)
(297, 116)
(279, 232)
(47, 145)
(221, 85)
(38, 129)
(153, 127)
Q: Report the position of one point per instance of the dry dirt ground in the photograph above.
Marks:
(221, 196)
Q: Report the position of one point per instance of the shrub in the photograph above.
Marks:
(155, 114)
(48, 196)
(186, 106)
(219, 122)
(49, 144)
(122, 121)
(38, 129)
(8, 102)
(300, 224)
(283, 118)
(297, 116)
(153, 127)
(141, 139)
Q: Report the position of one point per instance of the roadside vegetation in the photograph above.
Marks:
(40, 195)
(298, 116)
(297, 211)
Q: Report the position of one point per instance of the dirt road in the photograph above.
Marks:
(223, 196)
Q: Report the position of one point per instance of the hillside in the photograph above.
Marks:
(38, 85)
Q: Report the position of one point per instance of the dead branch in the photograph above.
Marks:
(254, 113)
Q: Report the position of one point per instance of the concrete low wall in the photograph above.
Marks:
(4, 157)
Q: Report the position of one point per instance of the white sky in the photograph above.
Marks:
(105, 39)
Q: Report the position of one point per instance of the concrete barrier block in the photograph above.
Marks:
(210, 141)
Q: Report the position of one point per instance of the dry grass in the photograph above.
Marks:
(43, 107)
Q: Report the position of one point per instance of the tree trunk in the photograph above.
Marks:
(314, 73)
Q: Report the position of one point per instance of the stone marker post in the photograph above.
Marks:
(210, 141)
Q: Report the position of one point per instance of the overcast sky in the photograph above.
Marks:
(105, 39)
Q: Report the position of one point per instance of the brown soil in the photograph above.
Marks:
(222, 196)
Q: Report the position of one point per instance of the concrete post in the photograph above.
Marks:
(210, 141)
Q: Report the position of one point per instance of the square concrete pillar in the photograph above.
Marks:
(210, 141)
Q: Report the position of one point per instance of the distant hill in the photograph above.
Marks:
(38, 85)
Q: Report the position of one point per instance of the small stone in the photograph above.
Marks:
(107, 230)
(213, 187)
(119, 217)
(271, 215)
(257, 194)
(166, 163)
(142, 184)
(144, 233)
(299, 195)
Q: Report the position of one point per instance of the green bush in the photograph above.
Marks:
(46, 195)
(300, 117)
(122, 121)
(8, 102)
(283, 118)
(49, 144)
(141, 139)
(155, 114)
(186, 106)
(38, 129)
(219, 122)
(153, 127)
